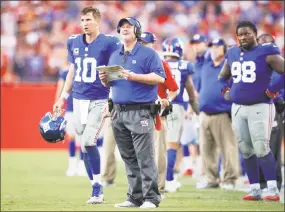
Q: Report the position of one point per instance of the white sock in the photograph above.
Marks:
(96, 179)
(102, 158)
(72, 162)
(187, 163)
(272, 184)
(254, 186)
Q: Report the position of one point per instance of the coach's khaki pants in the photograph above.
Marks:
(216, 135)
(109, 145)
(161, 153)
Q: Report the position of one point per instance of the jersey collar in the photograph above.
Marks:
(85, 42)
(134, 50)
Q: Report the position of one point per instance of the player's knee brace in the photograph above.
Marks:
(246, 150)
(261, 148)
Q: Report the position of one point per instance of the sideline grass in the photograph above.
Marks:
(36, 181)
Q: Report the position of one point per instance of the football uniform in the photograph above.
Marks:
(181, 70)
(89, 95)
(252, 111)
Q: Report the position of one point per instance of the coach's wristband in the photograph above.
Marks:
(64, 95)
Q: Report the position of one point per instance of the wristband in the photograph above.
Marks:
(64, 95)
(270, 94)
(225, 90)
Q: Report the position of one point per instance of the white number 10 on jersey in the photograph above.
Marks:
(244, 71)
(88, 60)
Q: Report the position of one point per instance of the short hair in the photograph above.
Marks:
(95, 12)
(247, 24)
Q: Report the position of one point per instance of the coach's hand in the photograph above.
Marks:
(103, 77)
(126, 74)
(165, 102)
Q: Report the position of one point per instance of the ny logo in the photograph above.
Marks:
(144, 123)
(76, 51)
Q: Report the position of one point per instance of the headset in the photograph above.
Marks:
(137, 25)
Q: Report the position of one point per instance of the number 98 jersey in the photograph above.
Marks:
(86, 57)
(251, 74)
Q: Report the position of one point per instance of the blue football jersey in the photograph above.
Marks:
(69, 101)
(86, 57)
(251, 74)
(180, 69)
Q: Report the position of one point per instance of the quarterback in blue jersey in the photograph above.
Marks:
(251, 65)
(74, 167)
(85, 52)
(182, 70)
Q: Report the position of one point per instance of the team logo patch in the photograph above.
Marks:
(144, 123)
(76, 51)
(134, 61)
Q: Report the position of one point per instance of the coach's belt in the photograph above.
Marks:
(127, 107)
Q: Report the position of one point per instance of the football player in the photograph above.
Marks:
(74, 166)
(167, 91)
(85, 52)
(182, 70)
(276, 134)
(251, 65)
(189, 140)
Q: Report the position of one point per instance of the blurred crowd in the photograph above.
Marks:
(34, 33)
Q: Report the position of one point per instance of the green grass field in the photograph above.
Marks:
(36, 181)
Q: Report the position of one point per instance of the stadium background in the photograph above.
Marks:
(33, 37)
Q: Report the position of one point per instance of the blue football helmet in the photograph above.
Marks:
(172, 47)
(52, 127)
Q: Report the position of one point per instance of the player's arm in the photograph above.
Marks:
(103, 78)
(59, 88)
(189, 86)
(66, 89)
(276, 62)
(69, 78)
